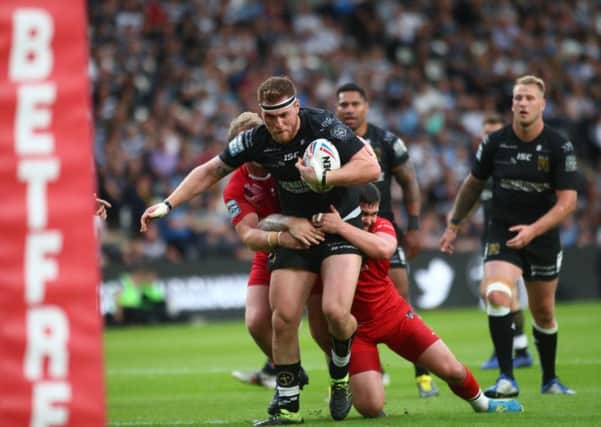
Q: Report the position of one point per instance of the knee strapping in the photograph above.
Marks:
(494, 309)
(547, 331)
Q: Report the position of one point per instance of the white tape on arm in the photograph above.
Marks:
(160, 211)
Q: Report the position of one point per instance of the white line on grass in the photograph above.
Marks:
(188, 371)
(164, 423)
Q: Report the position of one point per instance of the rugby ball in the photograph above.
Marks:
(322, 156)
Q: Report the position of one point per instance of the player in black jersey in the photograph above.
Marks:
(519, 298)
(534, 173)
(278, 146)
(352, 107)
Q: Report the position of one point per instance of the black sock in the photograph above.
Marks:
(420, 371)
(288, 387)
(502, 338)
(546, 344)
(268, 368)
(340, 359)
(518, 322)
(518, 330)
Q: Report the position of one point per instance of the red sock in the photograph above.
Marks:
(468, 388)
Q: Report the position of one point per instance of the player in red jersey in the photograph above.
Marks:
(385, 317)
(249, 196)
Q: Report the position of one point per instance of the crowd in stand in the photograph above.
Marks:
(169, 75)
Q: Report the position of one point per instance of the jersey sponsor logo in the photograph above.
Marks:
(399, 147)
(568, 147)
(544, 270)
(492, 249)
(543, 163)
(508, 146)
(378, 153)
(479, 152)
(524, 157)
(296, 187)
(235, 146)
(571, 163)
(291, 156)
(232, 208)
(339, 132)
(526, 186)
(327, 122)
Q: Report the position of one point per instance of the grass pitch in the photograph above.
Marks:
(180, 375)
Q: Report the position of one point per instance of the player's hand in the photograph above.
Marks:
(525, 234)
(101, 207)
(302, 230)
(155, 211)
(307, 173)
(447, 239)
(287, 240)
(412, 243)
(328, 222)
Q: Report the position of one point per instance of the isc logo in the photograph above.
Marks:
(526, 157)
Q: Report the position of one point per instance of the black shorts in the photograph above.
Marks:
(310, 259)
(398, 259)
(540, 260)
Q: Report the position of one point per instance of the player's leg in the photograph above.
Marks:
(366, 378)
(541, 300)
(339, 274)
(500, 278)
(426, 387)
(521, 357)
(443, 363)
(543, 264)
(318, 325)
(288, 292)
(492, 362)
(257, 316)
(412, 339)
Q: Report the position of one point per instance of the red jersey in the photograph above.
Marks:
(376, 295)
(245, 194)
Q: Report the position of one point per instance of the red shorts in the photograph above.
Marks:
(260, 274)
(404, 333)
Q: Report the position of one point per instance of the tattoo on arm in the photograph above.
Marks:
(274, 222)
(405, 176)
(468, 195)
(222, 170)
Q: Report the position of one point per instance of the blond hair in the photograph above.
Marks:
(244, 121)
(531, 80)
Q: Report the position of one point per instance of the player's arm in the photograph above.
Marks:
(101, 207)
(300, 228)
(405, 176)
(376, 245)
(468, 196)
(260, 240)
(362, 168)
(563, 207)
(198, 180)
